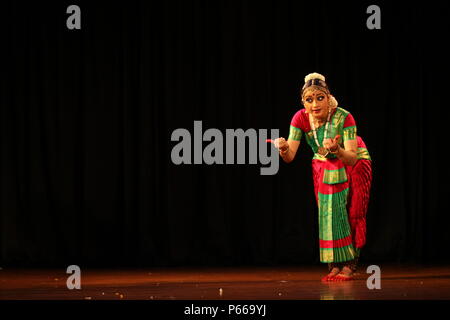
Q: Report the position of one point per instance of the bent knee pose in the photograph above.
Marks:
(342, 174)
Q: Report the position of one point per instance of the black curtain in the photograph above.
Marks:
(87, 117)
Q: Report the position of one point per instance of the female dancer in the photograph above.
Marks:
(342, 174)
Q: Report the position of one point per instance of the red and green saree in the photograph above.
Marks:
(342, 192)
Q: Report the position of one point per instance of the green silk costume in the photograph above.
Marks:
(331, 183)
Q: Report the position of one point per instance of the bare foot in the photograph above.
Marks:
(345, 275)
(331, 275)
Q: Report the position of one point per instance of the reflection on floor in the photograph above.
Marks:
(265, 283)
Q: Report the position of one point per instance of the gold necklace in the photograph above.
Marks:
(322, 151)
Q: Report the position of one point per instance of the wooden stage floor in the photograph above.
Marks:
(267, 283)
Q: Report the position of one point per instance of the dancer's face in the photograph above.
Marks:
(316, 103)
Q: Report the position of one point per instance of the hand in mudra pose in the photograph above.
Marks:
(331, 144)
(281, 144)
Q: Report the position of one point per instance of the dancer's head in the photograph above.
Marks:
(316, 96)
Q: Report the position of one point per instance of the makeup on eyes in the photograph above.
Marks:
(319, 98)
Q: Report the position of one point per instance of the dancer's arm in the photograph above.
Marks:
(288, 149)
(347, 154)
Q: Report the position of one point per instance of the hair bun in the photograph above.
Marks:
(314, 75)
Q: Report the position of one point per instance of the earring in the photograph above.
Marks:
(332, 102)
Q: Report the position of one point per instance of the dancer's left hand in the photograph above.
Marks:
(332, 144)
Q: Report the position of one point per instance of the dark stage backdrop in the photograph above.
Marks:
(87, 117)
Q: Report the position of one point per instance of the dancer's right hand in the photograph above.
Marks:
(281, 144)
